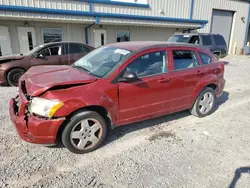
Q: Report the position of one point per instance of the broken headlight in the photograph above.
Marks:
(44, 107)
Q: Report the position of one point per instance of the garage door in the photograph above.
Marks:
(5, 44)
(222, 23)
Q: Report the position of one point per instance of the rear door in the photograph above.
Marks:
(74, 51)
(51, 55)
(185, 73)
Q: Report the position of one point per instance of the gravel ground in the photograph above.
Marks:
(178, 150)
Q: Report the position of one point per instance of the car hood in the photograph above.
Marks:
(42, 78)
(11, 57)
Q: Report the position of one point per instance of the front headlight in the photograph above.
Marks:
(44, 107)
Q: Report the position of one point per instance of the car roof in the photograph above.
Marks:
(190, 34)
(143, 45)
(63, 42)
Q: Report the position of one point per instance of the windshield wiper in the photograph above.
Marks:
(79, 67)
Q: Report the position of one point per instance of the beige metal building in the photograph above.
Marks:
(25, 24)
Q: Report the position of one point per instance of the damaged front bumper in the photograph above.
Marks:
(30, 128)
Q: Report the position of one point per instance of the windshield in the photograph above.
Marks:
(33, 50)
(179, 38)
(100, 61)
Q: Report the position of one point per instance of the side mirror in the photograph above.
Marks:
(129, 77)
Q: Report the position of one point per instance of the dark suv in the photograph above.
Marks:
(214, 42)
(56, 53)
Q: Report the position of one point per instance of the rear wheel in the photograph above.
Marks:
(14, 75)
(85, 132)
(204, 103)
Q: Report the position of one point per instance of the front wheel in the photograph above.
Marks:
(85, 132)
(14, 75)
(204, 103)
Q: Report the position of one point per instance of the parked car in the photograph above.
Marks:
(57, 53)
(114, 85)
(214, 42)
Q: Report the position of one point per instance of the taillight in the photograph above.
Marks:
(222, 67)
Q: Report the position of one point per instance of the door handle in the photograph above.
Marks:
(58, 59)
(164, 80)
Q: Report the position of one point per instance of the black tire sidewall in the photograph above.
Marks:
(11, 74)
(198, 99)
(73, 121)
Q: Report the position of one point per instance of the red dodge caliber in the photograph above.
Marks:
(114, 85)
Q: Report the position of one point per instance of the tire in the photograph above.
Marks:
(204, 102)
(85, 132)
(14, 75)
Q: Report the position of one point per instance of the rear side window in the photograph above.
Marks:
(75, 49)
(206, 59)
(219, 40)
(184, 59)
(207, 40)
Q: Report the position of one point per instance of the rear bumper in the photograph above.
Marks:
(32, 129)
(220, 88)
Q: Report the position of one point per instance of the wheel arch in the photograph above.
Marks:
(102, 111)
(211, 82)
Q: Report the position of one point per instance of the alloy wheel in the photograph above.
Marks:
(86, 134)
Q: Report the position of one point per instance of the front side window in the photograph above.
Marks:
(184, 59)
(195, 40)
(179, 38)
(52, 35)
(45, 52)
(149, 64)
(122, 36)
(102, 60)
(206, 59)
(51, 51)
(206, 40)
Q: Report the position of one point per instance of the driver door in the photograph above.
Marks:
(148, 96)
(48, 56)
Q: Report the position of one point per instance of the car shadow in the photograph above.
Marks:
(126, 129)
(123, 130)
(221, 100)
(237, 175)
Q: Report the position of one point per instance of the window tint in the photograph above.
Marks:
(207, 40)
(149, 64)
(184, 59)
(206, 59)
(75, 49)
(195, 40)
(219, 40)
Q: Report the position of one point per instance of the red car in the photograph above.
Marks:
(112, 86)
(12, 67)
